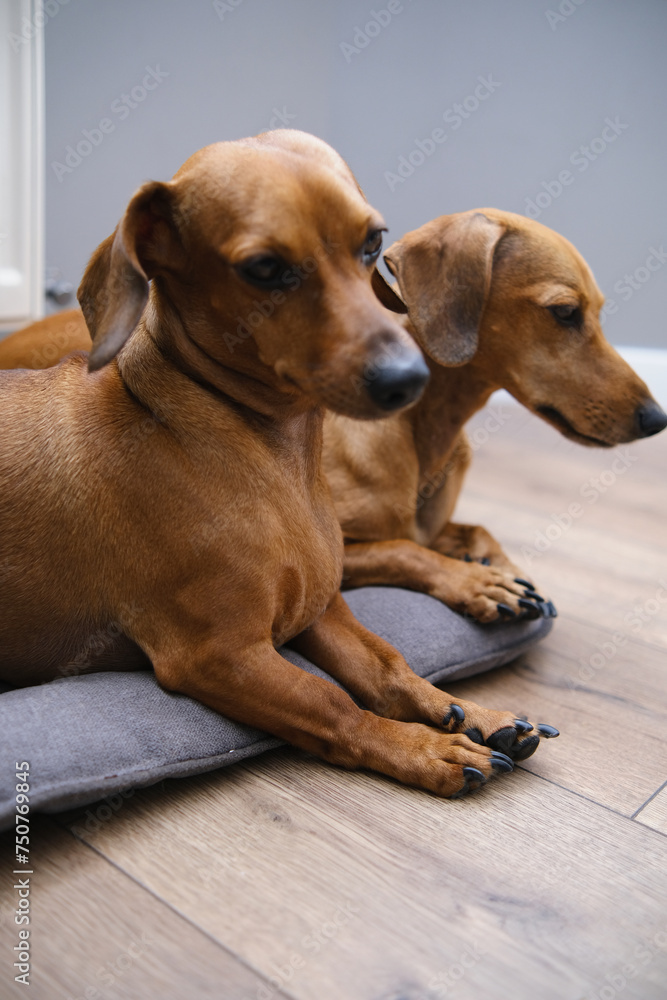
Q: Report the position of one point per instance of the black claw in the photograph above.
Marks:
(485, 561)
(523, 583)
(475, 735)
(455, 712)
(535, 596)
(526, 748)
(462, 791)
(467, 557)
(501, 763)
(549, 732)
(505, 609)
(532, 610)
(522, 725)
(502, 739)
(473, 774)
(552, 609)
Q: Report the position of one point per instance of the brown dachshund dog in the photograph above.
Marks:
(46, 342)
(494, 300)
(167, 492)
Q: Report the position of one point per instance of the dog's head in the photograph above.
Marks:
(261, 250)
(518, 302)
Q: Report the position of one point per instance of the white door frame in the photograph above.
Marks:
(22, 218)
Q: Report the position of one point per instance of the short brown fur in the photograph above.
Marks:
(169, 506)
(477, 286)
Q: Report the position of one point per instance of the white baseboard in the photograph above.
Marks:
(650, 363)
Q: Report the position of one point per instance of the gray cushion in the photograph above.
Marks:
(92, 736)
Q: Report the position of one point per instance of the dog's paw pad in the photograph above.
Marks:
(525, 749)
(503, 739)
(475, 735)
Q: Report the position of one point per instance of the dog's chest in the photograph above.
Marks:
(270, 540)
(304, 568)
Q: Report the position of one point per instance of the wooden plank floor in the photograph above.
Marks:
(283, 877)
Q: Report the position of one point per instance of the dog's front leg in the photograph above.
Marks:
(260, 688)
(485, 593)
(475, 542)
(380, 678)
(475, 545)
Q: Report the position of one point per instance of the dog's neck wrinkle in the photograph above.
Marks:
(451, 398)
(152, 365)
(249, 386)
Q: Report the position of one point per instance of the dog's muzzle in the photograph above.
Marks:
(650, 418)
(398, 380)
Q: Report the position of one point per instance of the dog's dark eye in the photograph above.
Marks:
(372, 246)
(264, 271)
(566, 315)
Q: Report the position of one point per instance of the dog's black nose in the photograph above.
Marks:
(398, 381)
(651, 419)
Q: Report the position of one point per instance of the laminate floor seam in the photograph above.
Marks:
(281, 994)
(586, 798)
(650, 799)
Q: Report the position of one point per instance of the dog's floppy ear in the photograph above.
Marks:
(114, 288)
(386, 294)
(444, 275)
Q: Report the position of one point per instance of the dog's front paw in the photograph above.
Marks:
(488, 594)
(449, 764)
(500, 731)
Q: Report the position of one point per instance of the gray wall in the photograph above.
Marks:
(232, 66)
